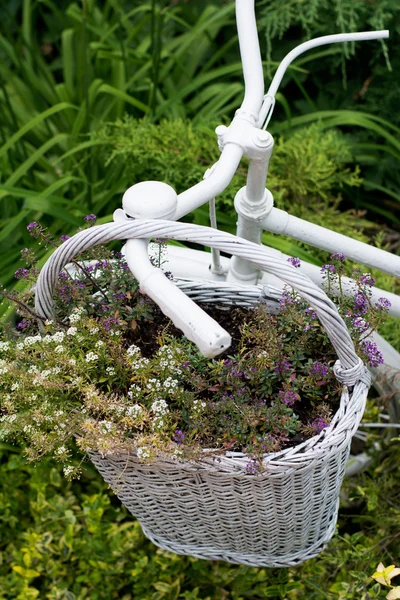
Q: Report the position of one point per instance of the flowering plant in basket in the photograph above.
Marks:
(111, 374)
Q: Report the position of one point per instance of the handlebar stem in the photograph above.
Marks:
(251, 58)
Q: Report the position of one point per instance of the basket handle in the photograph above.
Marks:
(348, 370)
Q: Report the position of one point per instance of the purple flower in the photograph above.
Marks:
(64, 238)
(179, 436)
(282, 366)
(328, 268)
(23, 324)
(338, 256)
(310, 311)
(367, 279)
(294, 261)
(108, 323)
(89, 218)
(119, 296)
(102, 264)
(286, 299)
(374, 355)
(288, 397)
(34, 229)
(186, 364)
(252, 467)
(360, 304)
(360, 323)
(21, 273)
(319, 424)
(63, 275)
(318, 368)
(383, 304)
(124, 265)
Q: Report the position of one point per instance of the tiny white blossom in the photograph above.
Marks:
(93, 330)
(106, 426)
(72, 331)
(99, 344)
(143, 452)
(160, 407)
(20, 346)
(4, 346)
(91, 357)
(59, 349)
(15, 386)
(133, 350)
(58, 337)
(134, 411)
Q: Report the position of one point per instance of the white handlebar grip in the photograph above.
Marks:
(198, 326)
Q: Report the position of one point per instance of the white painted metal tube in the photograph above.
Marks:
(251, 57)
(198, 326)
(219, 179)
(279, 221)
(269, 99)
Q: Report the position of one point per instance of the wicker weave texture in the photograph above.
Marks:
(273, 521)
(212, 508)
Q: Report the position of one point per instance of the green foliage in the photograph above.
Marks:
(84, 545)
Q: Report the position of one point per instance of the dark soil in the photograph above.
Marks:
(146, 334)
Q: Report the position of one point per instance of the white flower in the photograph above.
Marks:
(56, 370)
(133, 350)
(59, 349)
(99, 344)
(106, 426)
(72, 361)
(74, 318)
(20, 346)
(160, 407)
(48, 322)
(3, 367)
(93, 330)
(61, 450)
(143, 452)
(110, 370)
(58, 337)
(68, 470)
(72, 331)
(4, 346)
(31, 340)
(14, 386)
(91, 357)
(134, 411)
(47, 339)
(198, 405)
(33, 369)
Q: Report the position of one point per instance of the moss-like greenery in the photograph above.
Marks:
(74, 541)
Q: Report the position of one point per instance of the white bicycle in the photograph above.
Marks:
(201, 276)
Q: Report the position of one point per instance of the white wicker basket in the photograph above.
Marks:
(213, 509)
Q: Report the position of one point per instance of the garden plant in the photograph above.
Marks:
(76, 81)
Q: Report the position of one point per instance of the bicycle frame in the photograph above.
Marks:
(246, 136)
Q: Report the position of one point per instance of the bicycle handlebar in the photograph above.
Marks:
(269, 98)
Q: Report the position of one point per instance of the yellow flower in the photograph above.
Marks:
(383, 575)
